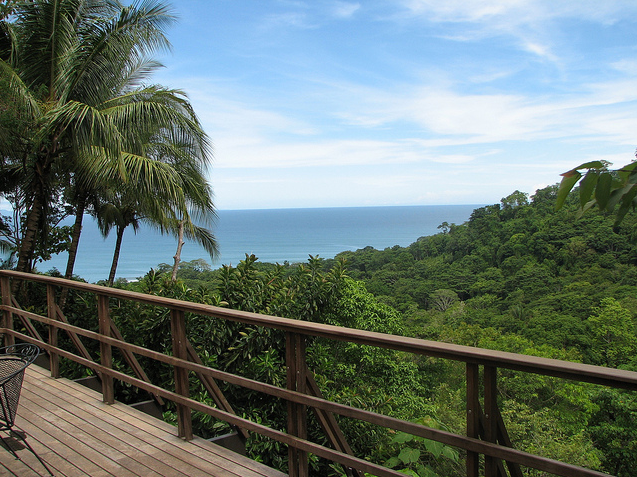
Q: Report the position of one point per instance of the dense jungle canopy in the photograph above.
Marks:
(517, 276)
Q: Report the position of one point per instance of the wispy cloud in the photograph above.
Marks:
(345, 9)
(275, 21)
(518, 12)
(344, 102)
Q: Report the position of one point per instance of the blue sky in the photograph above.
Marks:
(404, 102)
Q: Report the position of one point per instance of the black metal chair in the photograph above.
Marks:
(14, 360)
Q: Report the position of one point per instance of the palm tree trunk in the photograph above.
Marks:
(75, 240)
(41, 169)
(31, 228)
(118, 246)
(75, 237)
(177, 257)
(27, 243)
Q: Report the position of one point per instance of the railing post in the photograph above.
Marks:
(490, 417)
(180, 350)
(473, 416)
(106, 352)
(54, 358)
(297, 413)
(7, 316)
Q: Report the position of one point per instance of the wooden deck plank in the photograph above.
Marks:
(147, 425)
(103, 432)
(145, 429)
(76, 434)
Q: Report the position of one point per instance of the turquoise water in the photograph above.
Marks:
(275, 235)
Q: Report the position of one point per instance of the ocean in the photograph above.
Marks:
(273, 235)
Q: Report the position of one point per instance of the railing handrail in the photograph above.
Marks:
(617, 378)
(486, 431)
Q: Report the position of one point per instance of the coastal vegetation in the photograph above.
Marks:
(81, 131)
(517, 276)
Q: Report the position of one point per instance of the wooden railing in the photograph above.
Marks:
(486, 434)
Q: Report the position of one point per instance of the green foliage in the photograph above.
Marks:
(522, 278)
(613, 431)
(539, 432)
(423, 457)
(611, 190)
(614, 340)
(516, 277)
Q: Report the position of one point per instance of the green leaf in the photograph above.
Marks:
(621, 213)
(450, 453)
(434, 447)
(627, 171)
(568, 182)
(602, 191)
(409, 455)
(409, 472)
(617, 195)
(587, 186)
(428, 472)
(626, 205)
(392, 462)
(402, 437)
(591, 165)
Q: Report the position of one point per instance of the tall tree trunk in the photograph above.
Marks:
(75, 237)
(75, 240)
(118, 246)
(180, 244)
(28, 241)
(27, 244)
(41, 169)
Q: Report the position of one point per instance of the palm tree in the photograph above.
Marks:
(118, 216)
(75, 73)
(151, 202)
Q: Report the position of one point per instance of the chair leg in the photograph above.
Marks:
(23, 437)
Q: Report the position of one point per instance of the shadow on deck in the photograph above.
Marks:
(76, 434)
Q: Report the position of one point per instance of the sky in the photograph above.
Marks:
(328, 103)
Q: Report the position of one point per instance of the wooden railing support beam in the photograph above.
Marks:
(330, 425)
(182, 387)
(213, 389)
(473, 416)
(297, 413)
(54, 358)
(132, 361)
(106, 352)
(7, 316)
(490, 420)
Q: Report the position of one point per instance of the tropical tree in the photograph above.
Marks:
(75, 73)
(184, 208)
(602, 187)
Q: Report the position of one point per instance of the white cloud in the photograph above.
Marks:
(345, 9)
(288, 19)
(540, 50)
(534, 24)
(436, 118)
(462, 10)
(517, 12)
(628, 66)
(319, 153)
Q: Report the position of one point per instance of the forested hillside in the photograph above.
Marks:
(517, 277)
(520, 277)
(551, 277)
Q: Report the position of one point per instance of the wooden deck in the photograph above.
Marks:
(76, 434)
